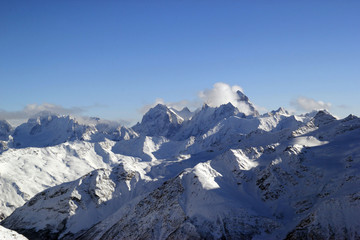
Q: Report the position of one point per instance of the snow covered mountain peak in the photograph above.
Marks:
(205, 119)
(242, 96)
(245, 106)
(185, 113)
(159, 121)
(48, 130)
(323, 117)
(226, 110)
(281, 111)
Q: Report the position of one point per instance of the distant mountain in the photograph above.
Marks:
(5, 130)
(49, 130)
(220, 173)
(185, 113)
(245, 105)
(159, 121)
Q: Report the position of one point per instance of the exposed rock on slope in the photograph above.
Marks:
(5, 130)
(245, 105)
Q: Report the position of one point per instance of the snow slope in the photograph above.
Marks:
(6, 234)
(217, 173)
(27, 171)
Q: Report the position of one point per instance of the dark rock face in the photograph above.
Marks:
(5, 130)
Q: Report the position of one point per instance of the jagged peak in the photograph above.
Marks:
(242, 96)
(245, 105)
(185, 113)
(280, 111)
(323, 117)
(159, 121)
(205, 106)
(222, 110)
(350, 117)
(161, 109)
(49, 130)
(226, 109)
(322, 113)
(159, 106)
(185, 109)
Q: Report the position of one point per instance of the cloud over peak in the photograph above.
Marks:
(309, 104)
(30, 110)
(221, 93)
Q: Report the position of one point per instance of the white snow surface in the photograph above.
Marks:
(216, 173)
(7, 234)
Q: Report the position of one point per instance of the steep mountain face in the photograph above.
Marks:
(184, 113)
(219, 173)
(245, 105)
(5, 130)
(159, 121)
(49, 130)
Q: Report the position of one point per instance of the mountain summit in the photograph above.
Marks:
(245, 106)
(159, 121)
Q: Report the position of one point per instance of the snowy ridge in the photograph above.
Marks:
(217, 173)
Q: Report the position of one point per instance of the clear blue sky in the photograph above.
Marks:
(113, 57)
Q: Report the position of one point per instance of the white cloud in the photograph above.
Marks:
(221, 93)
(30, 110)
(309, 104)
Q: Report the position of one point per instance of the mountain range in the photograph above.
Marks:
(215, 173)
